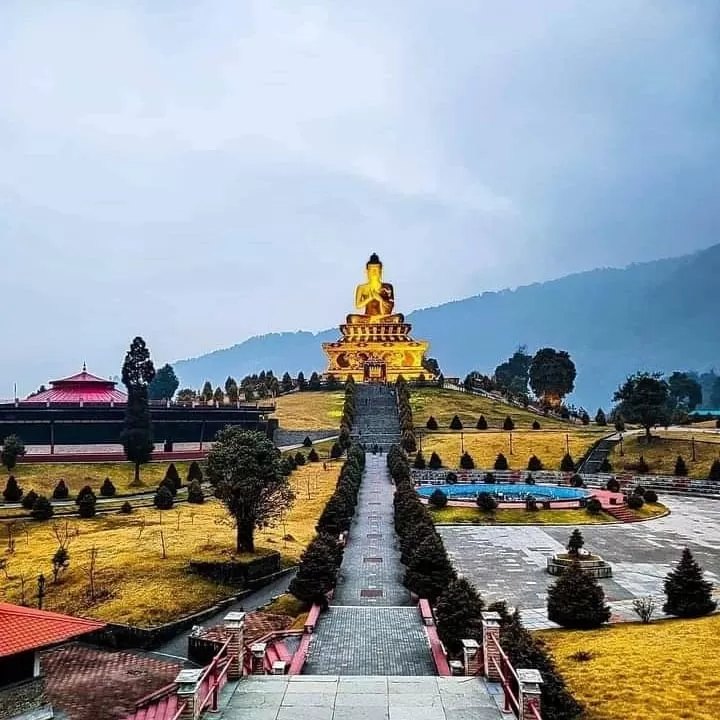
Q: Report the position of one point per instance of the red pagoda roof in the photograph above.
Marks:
(23, 629)
(82, 387)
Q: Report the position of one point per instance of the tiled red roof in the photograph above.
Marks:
(23, 629)
(82, 387)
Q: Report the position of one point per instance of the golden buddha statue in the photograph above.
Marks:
(375, 297)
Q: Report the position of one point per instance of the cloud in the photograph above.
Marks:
(198, 172)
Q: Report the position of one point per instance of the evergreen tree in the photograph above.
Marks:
(606, 466)
(85, 490)
(435, 463)
(431, 424)
(482, 423)
(714, 475)
(231, 389)
(299, 459)
(163, 497)
(458, 615)
(486, 502)
(317, 573)
(29, 500)
(219, 396)
(301, 382)
(314, 383)
(466, 461)
(42, 509)
(567, 464)
(535, 425)
(173, 476)
(169, 484)
(600, 418)
(12, 492)
(501, 462)
(335, 518)
(137, 373)
(575, 543)
(313, 455)
(107, 489)
(681, 469)
(164, 385)
(195, 472)
(307, 442)
(584, 418)
(508, 424)
(456, 423)
(429, 570)
(336, 451)
(576, 600)
(195, 493)
(419, 462)
(12, 449)
(688, 593)
(61, 491)
(87, 506)
(642, 467)
(206, 394)
(286, 383)
(438, 499)
(534, 464)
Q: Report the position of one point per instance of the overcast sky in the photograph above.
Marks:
(198, 172)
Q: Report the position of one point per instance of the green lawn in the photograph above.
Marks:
(473, 516)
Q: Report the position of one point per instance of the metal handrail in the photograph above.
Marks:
(510, 699)
(217, 673)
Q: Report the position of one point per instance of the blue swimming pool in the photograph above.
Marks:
(505, 491)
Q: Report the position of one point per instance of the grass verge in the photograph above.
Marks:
(309, 410)
(511, 516)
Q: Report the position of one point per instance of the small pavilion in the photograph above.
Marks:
(79, 389)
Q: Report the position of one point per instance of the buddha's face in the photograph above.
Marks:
(374, 273)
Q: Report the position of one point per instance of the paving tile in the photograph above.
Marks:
(350, 713)
(304, 713)
(302, 699)
(361, 700)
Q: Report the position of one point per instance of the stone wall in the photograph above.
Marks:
(22, 697)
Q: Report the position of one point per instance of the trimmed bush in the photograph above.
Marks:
(42, 509)
(456, 423)
(508, 423)
(535, 425)
(635, 502)
(435, 463)
(107, 489)
(307, 442)
(169, 484)
(194, 472)
(482, 423)
(681, 469)
(529, 480)
(534, 464)
(299, 459)
(429, 570)
(313, 455)
(606, 465)
(336, 451)
(576, 600)
(577, 481)
(61, 491)
(688, 593)
(612, 485)
(163, 497)
(12, 492)
(458, 615)
(431, 424)
(489, 478)
(29, 500)
(419, 462)
(600, 418)
(714, 475)
(195, 493)
(593, 506)
(650, 496)
(642, 467)
(486, 502)
(639, 490)
(575, 542)
(466, 461)
(84, 492)
(438, 499)
(126, 508)
(501, 462)
(531, 504)
(172, 474)
(87, 506)
(567, 464)
(451, 478)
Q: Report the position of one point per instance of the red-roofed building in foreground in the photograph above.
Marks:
(79, 389)
(23, 633)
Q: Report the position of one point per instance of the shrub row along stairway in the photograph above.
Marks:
(371, 627)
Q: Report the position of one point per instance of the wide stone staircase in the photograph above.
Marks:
(376, 417)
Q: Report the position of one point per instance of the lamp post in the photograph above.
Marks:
(622, 450)
(693, 448)
(462, 442)
(511, 445)
(41, 590)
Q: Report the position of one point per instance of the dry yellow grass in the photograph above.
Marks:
(309, 410)
(444, 404)
(664, 449)
(660, 671)
(43, 477)
(548, 445)
(139, 586)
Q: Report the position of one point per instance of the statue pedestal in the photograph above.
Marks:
(376, 352)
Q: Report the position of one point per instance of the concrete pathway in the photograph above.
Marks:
(371, 627)
(332, 697)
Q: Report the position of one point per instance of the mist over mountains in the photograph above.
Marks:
(662, 315)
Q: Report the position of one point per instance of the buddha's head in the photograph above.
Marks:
(374, 269)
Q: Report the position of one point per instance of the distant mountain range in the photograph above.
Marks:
(661, 315)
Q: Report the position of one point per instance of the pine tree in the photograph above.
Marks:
(534, 464)
(195, 493)
(456, 423)
(466, 461)
(482, 423)
(87, 506)
(688, 593)
(301, 382)
(29, 500)
(313, 455)
(317, 573)
(286, 383)
(576, 542)
(334, 518)
(206, 394)
(163, 497)
(600, 418)
(194, 472)
(567, 464)
(299, 459)
(535, 425)
(336, 450)
(429, 570)
(61, 491)
(314, 382)
(681, 469)
(107, 489)
(42, 509)
(458, 615)
(12, 492)
(714, 475)
(576, 600)
(431, 424)
(508, 423)
(435, 463)
(501, 462)
(173, 476)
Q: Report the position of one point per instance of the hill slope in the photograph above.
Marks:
(659, 315)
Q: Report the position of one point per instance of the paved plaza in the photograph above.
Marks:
(331, 697)
(508, 562)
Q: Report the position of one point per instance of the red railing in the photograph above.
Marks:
(508, 678)
(179, 712)
(213, 679)
(534, 710)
